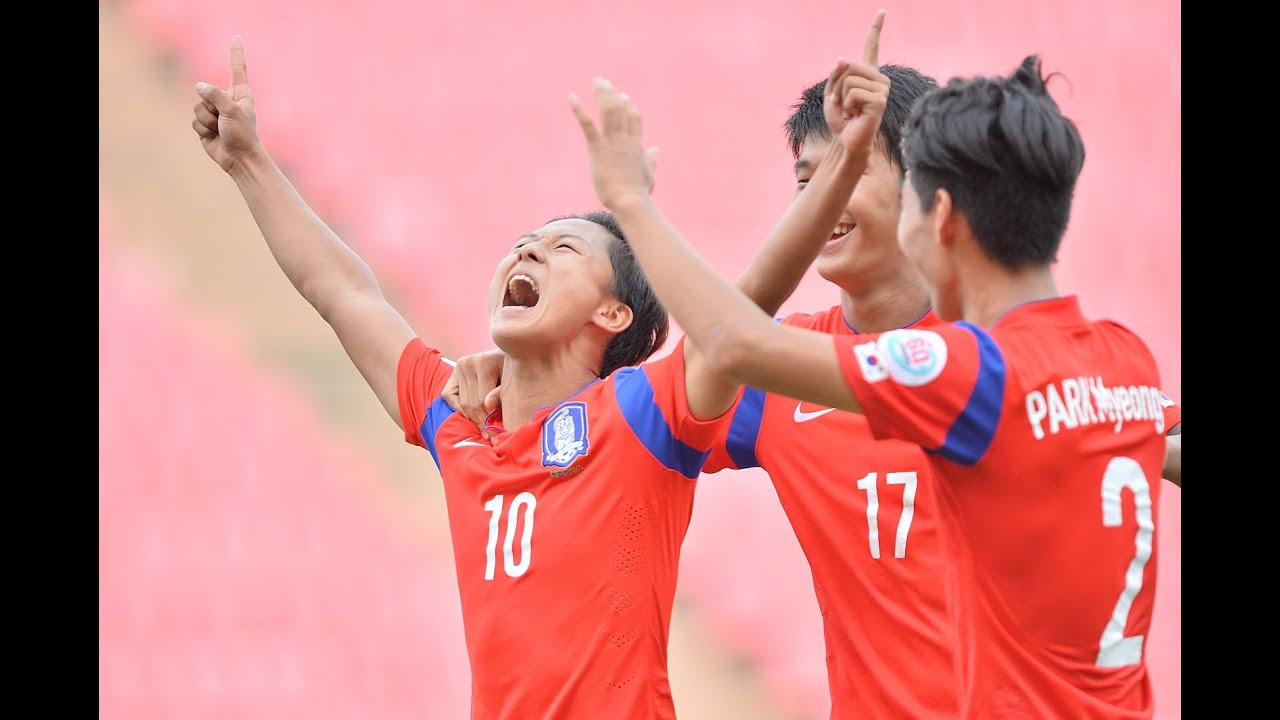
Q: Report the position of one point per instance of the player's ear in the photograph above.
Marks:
(613, 316)
(944, 218)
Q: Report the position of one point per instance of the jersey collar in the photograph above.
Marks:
(1060, 311)
(927, 319)
(493, 421)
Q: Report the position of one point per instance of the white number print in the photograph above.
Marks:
(1114, 649)
(494, 506)
(908, 481)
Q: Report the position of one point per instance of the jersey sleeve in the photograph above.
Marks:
(734, 447)
(420, 378)
(941, 388)
(653, 400)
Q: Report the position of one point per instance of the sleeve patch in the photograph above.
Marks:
(870, 363)
(911, 357)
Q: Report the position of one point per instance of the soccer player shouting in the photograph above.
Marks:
(865, 516)
(566, 527)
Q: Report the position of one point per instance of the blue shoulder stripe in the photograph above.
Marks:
(744, 429)
(971, 434)
(635, 398)
(436, 415)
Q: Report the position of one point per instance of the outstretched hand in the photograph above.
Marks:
(856, 95)
(224, 119)
(621, 168)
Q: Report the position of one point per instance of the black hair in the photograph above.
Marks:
(649, 321)
(906, 85)
(1009, 158)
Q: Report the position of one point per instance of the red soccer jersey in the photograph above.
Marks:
(566, 537)
(1046, 432)
(865, 514)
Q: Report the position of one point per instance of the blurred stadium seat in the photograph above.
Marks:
(233, 581)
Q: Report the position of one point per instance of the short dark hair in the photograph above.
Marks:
(649, 321)
(1009, 158)
(906, 85)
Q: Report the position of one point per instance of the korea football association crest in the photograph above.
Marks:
(564, 435)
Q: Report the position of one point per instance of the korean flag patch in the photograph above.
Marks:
(870, 363)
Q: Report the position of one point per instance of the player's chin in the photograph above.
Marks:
(835, 266)
(517, 327)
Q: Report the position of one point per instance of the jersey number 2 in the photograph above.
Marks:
(1114, 649)
(528, 502)
(908, 481)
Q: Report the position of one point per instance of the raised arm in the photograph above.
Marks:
(328, 274)
(770, 279)
(796, 240)
(739, 340)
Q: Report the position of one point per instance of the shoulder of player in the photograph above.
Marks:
(1040, 338)
(823, 320)
(1125, 334)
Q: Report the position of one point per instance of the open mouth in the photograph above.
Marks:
(522, 292)
(842, 229)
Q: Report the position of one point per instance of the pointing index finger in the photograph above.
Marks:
(239, 73)
(871, 50)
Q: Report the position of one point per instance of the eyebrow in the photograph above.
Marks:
(527, 236)
(802, 164)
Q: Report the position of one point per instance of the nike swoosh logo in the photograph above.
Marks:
(807, 416)
(461, 443)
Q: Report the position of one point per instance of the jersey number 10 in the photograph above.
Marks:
(527, 502)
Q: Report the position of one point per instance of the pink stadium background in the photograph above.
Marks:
(269, 547)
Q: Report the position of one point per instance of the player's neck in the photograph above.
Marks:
(529, 384)
(888, 306)
(988, 294)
